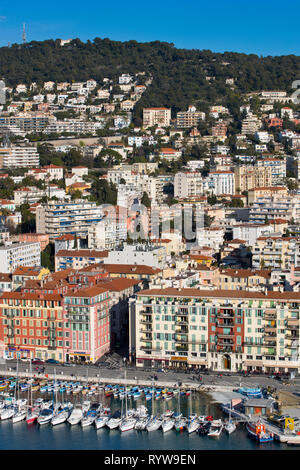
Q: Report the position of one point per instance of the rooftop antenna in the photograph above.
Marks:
(24, 34)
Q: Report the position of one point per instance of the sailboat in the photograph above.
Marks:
(180, 421)
(193, 423)
(128, 422)
(47, 413)
(91, 415)
(114, 421)
(154, 422)
(230, 426)
(32, 411)
(19, 412)
(168, 420)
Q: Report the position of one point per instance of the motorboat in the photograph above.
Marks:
(45, 416)
(141, 423)
(76, 415)
(154, 424)
(257, 431)
(127, 424)
(20, 415)
(114, 421)
(216, 428)
(192, 425)
(8, 412)
(168, 424)
(90, 416)
(61, 416)
(204, 428)
(101, 420)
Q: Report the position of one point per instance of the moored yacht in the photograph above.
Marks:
(167, 424)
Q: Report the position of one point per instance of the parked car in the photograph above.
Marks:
(69, 364)
(52, 361)
(38, 361)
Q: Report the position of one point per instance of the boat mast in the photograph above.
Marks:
(16, 385)
(30, 387)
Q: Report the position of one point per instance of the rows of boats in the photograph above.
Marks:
(88, 413)
(93, 413)
(76, 387)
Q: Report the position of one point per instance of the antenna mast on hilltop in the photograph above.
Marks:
(24, 34)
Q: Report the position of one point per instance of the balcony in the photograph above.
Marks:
(225, 313)
(143, 339)
(181, 338)
(181, 349)
(225, 335)
(292, 323)
(146, 348)
(268, 343)
(181, 321)
(146, 330)
(181, 329)
(147, 321)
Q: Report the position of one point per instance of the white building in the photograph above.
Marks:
(147, 255)
(156, 116)
(221, 182)
(19, 254)
(188, 184)
(19, 157)
(250, 232)
(211, 236)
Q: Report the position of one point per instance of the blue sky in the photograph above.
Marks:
(260, 27)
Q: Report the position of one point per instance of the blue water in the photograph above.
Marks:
(20, 436)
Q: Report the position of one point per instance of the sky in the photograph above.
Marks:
(262, 27)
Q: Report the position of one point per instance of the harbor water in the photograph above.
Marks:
(21, 436)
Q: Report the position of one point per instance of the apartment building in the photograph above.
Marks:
(221, 182)
(189, 183)
(250, 125)
(275, 207)
(248, 177)
(28, 122)
(278, 169)
(88, 316)
(250, 232)
(67, 217)
(110, 232)
(156, 116)
(33, 325)
(276, 252)
(13, 255)
(148, 255)
(19, 157)
(189, 118)
(244, 279)
(77, 259)
(212, 237)
(73, 127)
(31, 194)
(217, 329)
(255, 193)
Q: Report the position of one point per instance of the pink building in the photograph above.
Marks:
(42, 238)
(87, 313)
